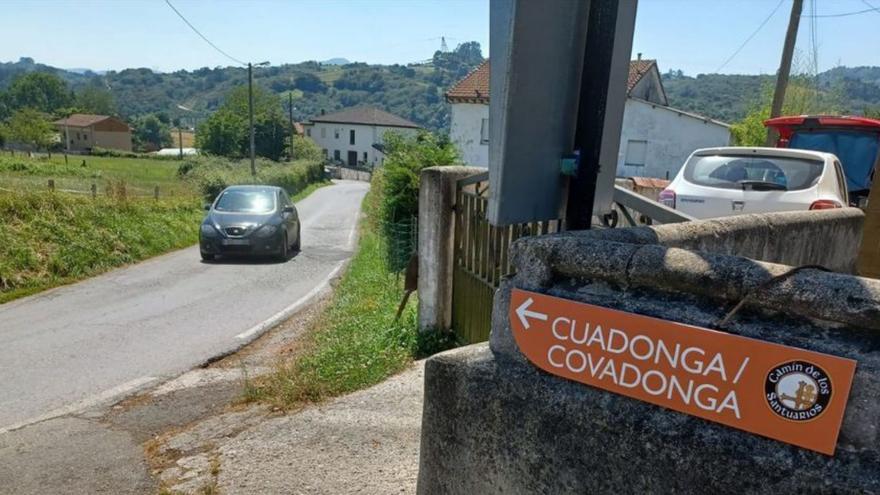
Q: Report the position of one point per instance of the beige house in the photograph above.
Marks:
(82, 132)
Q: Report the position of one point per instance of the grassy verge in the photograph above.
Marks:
(48, 240)
(356, 342)
(140, 175)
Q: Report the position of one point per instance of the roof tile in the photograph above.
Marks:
(474, 87)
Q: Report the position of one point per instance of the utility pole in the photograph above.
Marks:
(290, 114)
(784, 67)
(180, 137)
(251, 114)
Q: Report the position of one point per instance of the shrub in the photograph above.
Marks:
(212, 174)
(405, 157)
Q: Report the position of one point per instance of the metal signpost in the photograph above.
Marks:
(558, 86)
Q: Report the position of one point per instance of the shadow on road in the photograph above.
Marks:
(232, 259)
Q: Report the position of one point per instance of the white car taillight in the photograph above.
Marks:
(825, 204)
(667, 197)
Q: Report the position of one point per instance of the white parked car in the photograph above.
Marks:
(716, 182)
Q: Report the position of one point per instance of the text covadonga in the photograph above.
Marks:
(672, 371)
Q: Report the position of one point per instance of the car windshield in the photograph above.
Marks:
(753, 172)
(246, 201)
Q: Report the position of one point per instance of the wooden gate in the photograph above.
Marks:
(481, 257)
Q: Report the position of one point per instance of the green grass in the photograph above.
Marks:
(355, 343)
(48, 240)
(140, 175)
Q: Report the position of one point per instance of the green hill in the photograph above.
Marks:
(728, 97)
(413, 91)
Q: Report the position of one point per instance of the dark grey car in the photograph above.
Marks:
(250, 220)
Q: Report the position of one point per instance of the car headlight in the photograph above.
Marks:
(266, 231)
(208, 230)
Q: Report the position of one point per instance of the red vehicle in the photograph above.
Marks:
(855, 141)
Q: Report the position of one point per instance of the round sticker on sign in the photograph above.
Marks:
(798, 390)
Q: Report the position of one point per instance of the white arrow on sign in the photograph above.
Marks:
(524, 314)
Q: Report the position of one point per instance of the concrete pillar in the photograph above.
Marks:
(436, 234)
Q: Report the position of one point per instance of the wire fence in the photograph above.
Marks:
(110, 188)
(403, 241)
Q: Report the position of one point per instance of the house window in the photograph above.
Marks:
(326, 154)
(336, 155)
(365, 155)
(335, 133)
(323, 133)
(77, 136)
(351, 136)
(309, 132)
(484, 131)
(636, 151)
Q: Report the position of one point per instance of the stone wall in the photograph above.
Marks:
(494, 423)
(829, 238)
(346, 173)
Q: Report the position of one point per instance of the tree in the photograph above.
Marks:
(97, 100)
(28, 126)
(226, 131)
(39, 91)
(802, 97)
(151, 134)
(306, 149)
(309, 82)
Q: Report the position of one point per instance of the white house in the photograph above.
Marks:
(354, 136)
(655, 141)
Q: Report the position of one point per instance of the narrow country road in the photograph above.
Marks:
(93, 341)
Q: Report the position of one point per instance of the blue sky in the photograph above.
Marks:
(695, 36)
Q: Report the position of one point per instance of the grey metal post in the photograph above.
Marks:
(251, 114)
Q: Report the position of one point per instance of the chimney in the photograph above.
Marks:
(323, 112)
(639, 56)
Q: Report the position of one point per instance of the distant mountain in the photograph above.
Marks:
(414, 92)
(336, 61)
(728, 97)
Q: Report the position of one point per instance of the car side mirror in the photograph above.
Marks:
(287, 209)
(207, 206)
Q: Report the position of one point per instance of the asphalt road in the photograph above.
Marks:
(77, 346)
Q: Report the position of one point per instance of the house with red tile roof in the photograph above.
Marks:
(656, 139)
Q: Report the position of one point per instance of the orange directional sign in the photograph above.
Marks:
(785, 393)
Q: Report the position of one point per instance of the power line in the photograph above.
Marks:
(230, 57)
(845, 14)
(763, 23)
(873, 7)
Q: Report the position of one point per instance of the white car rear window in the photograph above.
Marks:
(753, 172)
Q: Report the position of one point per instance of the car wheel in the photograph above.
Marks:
(297, 246)
(282, 252)
(207, 256)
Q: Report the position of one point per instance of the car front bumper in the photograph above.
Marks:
(250, 245)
